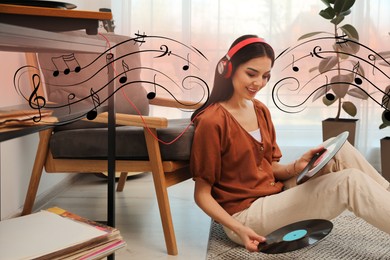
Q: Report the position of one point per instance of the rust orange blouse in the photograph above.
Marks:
(238, 167)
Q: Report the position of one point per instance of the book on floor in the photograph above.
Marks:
(57, 234)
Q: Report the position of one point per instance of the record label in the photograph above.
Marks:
(295, 235)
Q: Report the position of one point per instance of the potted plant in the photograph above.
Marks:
(345, 45)
(385, 142)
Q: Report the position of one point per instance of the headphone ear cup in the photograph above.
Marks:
(222, 66)
(228, 69)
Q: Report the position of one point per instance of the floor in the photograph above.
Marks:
(137, 215)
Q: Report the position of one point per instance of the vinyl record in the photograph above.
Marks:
(296, 236)
(331, 147)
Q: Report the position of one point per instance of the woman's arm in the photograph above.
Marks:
(286, 171)
(210, 206)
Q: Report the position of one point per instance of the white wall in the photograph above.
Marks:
(17, 155)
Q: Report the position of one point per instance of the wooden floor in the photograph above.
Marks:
(137, 215)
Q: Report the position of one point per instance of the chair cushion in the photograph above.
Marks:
(91, 143)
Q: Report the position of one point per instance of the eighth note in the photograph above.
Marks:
(187, 66)
(91, 115)
(355, 70)
(125, 67)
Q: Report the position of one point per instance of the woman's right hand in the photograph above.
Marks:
(250, 238)
(209, 205)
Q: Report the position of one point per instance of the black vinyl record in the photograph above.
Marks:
(296, 236)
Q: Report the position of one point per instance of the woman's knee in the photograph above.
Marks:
(353, 178)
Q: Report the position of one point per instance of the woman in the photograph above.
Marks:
(239, 181)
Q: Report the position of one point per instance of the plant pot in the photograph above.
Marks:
(332, 127)
(385, 156)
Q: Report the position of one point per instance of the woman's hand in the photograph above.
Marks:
(301, 163)
(250, 239)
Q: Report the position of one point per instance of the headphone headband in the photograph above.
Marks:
(242, 44)
(225, 66)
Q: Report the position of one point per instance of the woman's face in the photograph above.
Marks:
(250, 77)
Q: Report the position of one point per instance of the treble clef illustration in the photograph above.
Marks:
(35, 101)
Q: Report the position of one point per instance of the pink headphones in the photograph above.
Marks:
(225, 66)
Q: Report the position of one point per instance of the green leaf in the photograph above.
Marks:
(349, 108)
(328, 13)
(338, 19)
(327, 64)
(313, 69)
(327, 2)
(385, 121)
(328, 102)
(384, 54)
(319, 93)
(308, 35)
(358, 93)
(343, 5)
(348, 47)
(346, 12)
(350, 31)
(340, 84)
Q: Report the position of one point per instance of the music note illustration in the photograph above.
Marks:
(125, 67)
(356, 70)
(341, 39)
(64, 63)
(329, 96)
(71, 96)
(152, 94)
(372, 57)
(294, 68)
(92, 114)
(140, 38)
(166, 51)
(35, 101)
(187, 66)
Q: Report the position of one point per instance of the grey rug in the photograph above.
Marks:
(351, 238)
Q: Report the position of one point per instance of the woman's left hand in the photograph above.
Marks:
(301, 163)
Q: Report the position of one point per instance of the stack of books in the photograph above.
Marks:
(57, 234)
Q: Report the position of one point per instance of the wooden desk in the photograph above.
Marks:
(52, 19)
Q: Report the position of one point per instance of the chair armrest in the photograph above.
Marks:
(166, 102)
(134, 120)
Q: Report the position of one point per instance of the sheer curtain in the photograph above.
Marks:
(211, 26)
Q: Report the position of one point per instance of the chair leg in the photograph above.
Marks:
(40, 158)
(161, 192)
(121, 182)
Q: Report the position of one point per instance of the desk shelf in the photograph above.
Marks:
(20, 39)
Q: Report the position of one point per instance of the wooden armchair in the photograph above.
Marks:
(82, 148)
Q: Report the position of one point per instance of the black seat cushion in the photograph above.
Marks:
(91, 143)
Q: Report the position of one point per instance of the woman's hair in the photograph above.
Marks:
(223, 87)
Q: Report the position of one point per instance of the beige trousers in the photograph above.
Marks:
(348, 181)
